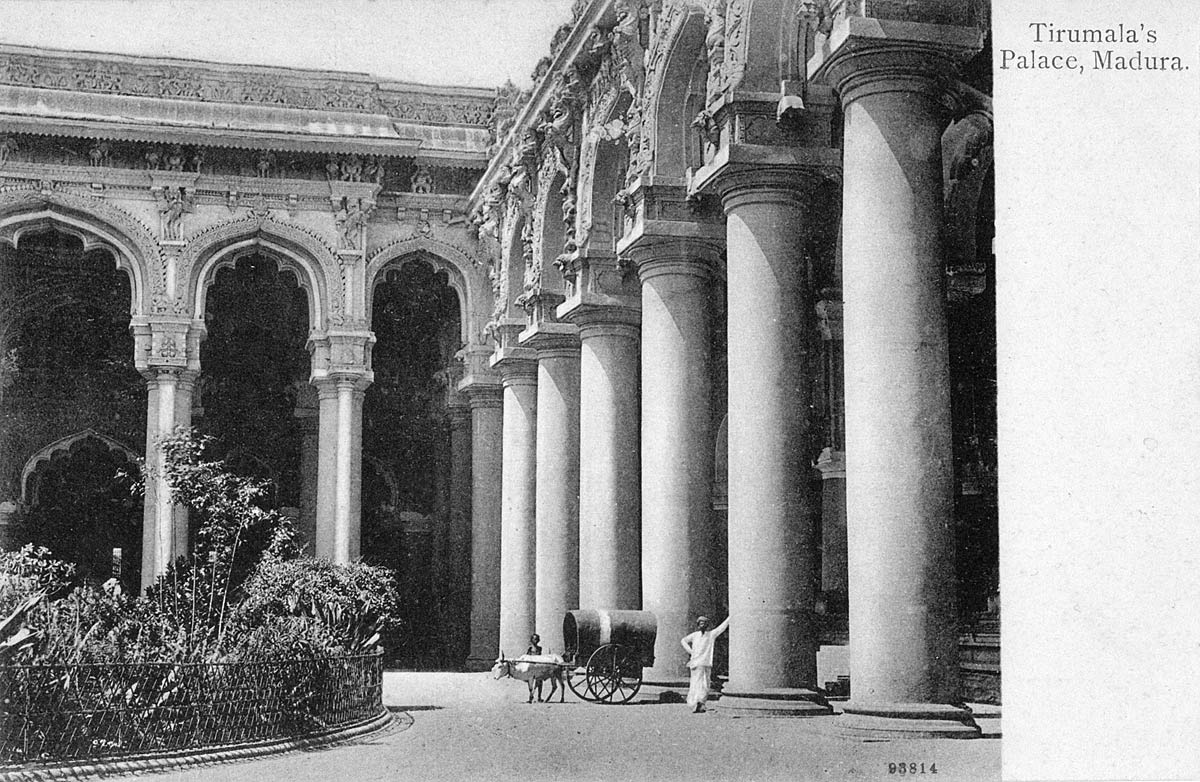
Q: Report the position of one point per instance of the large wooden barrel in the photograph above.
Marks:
(587, 629)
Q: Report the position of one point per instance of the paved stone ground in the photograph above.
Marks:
(466, 726)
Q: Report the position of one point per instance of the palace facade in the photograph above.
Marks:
(704, 322)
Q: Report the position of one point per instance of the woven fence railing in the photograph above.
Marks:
(53, 713)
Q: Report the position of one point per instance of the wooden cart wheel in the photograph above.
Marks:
(577, 681)
(614, 674)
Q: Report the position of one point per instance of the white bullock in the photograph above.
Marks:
(533, 670)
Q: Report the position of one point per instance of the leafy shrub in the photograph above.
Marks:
(357, 602)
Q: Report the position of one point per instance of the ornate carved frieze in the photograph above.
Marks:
(234, 85)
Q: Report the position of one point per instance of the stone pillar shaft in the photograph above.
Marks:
(899, 468)
(773, 638)
(518, 503)
(678, 567)
(164, 529)
(557, 505)
(339, 463)
(609, 476)
(486, 476)
(459, 548)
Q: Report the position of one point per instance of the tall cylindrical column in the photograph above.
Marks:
(557, 544)
(899, 470)
(487, 423)
(610, 474)
(459, 550)
(339, 464)
(327, 434)
(678, 567)
(518, 502)
(773, 635)
(161, 538)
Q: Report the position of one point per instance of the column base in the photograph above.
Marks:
(772, 702)
(885, 721)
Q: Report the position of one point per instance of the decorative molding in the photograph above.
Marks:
(324, 91)
(134, 237)
(310, 247)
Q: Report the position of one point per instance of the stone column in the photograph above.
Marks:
(459, 550)
(518, 375)
(339, 483)
(307, 413)
(903, 634)
(678, 567)
(8, 511)
(610, 472)
(486, 475)
(160, 536)
(831, 464)
(773, 634)
(557, 505)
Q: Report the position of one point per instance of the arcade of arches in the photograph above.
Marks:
(703, 322)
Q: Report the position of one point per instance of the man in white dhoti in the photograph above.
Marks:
(699, 645)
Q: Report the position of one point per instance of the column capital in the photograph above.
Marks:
(341, 354)
(517, 366)
(689, 256)
(164, 341)
(743, 175)
(597, 320)
(657, 212)
(863, 56)
(334, 382)
(551, 339)
(482, 396)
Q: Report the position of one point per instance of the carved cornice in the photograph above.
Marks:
(238, 84)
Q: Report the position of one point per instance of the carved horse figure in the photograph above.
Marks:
(533, 670)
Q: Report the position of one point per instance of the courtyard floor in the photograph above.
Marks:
(467, 726)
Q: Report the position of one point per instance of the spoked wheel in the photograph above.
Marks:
(577, 681)
(614, 674)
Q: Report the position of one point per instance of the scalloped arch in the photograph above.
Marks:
(64, 444)
(96, 223)
(295, 248)
(463, 271)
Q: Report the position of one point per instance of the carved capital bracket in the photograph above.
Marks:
(654, 213)
(862, 56)
(167, 342)
(341, 354)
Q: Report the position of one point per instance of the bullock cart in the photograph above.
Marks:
(606, 652)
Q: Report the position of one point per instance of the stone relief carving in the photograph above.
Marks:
(714, 44)
(8, 145)
(351, 218)
(173, 204)
(209, 84)
(736, 44)
(422, 180)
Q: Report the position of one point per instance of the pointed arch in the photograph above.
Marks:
(64, 445)
(96, 223)
(465, 275)
(304, 253)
